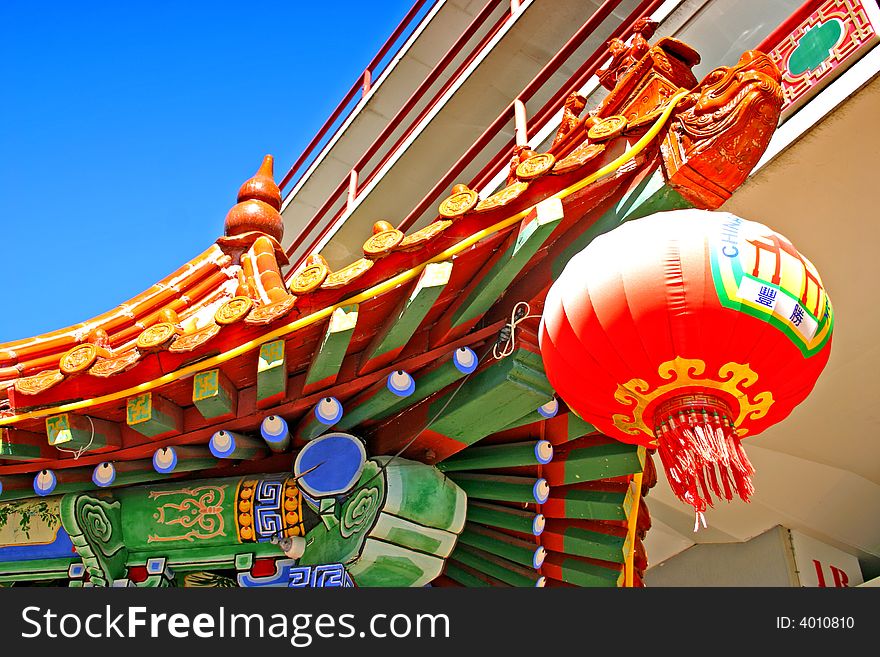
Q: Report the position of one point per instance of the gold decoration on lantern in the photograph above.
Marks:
(732, 379)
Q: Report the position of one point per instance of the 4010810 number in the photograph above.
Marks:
(816, 622)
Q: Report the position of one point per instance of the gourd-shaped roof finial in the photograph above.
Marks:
(259, 201)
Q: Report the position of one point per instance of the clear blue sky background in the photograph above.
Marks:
(126, 129)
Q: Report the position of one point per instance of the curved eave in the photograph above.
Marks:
(185, 291)
(472, 244)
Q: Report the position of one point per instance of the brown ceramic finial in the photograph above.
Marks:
(99, 338)
(168, 315)
(257, 210)
(381, 227)
(262, 186)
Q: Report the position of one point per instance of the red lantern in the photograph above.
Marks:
(686, 331)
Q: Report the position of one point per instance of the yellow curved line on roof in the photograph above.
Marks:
(376, 290)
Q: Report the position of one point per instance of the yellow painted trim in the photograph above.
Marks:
(631, 522)
(376, 290)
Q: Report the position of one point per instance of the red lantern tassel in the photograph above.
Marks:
(701, 452)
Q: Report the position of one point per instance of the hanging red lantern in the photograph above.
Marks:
(686, 331)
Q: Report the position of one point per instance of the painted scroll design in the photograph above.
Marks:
(360, 510)
(95, 529)
(200, 512)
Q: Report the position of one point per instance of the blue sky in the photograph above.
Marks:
(126, 129)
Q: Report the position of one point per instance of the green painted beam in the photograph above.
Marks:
(509, 455)
(234, 446)
(461, 362)
(501, 569)
(503, 517)
(271, 373)
(376, 400)
(18, 445)
(528, 490)
(327, 360)
(199, 558)
(152, 415)
(577, 427)
(582, 538)
(36, 569)
(584, 459)
(390, 340)
(490, 399)
(493, 283)
(186, 458)
(214, 395)
(524, 553)
(318, 420)
(126, 473)
(458, 574)
(650, 195)
(580, 572)
(582, 503)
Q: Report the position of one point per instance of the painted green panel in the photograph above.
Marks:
(585, 543)
(383, 564)
(501, 569)
(397, 331)
(404, 533)
(598, 462)
(492, 398)
(271, 372)
(814, 47)
(463, 577)
(95, 529)
(588, 575)
(181, 514)
(328, 358)
(213, 395)
(423, 495)
(597, 505)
